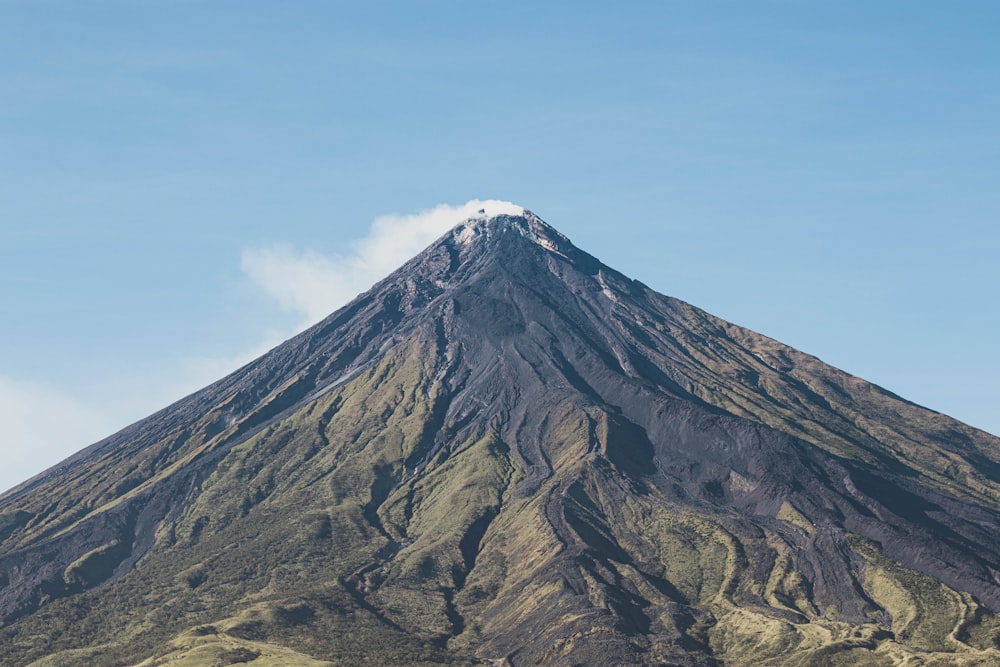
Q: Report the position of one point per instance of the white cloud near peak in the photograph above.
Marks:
(44, 424)
(314, 284)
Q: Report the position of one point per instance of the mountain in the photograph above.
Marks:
(508, 453)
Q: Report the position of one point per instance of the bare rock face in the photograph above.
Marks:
(508, 453)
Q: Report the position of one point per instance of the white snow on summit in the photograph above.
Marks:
(530, 226)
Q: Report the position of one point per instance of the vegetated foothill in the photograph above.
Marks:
(508, 453)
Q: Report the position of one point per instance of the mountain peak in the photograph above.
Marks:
(507, 452)
(487, 225)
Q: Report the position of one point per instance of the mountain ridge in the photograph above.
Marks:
(523, 455)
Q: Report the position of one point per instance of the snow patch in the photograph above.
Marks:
(514, 218)
(605, 288)
(476, 213)
(546, 243)
(465, 233)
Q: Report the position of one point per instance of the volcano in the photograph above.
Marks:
(508, 453)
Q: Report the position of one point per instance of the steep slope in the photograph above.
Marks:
(508, 452)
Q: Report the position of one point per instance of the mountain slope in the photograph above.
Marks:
(507, 451)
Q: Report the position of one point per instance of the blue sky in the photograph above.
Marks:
(822, 172)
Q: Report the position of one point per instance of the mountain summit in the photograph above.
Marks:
(509, 453)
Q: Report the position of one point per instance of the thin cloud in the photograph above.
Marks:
(42, 426)
(313, 284)
(197, 372)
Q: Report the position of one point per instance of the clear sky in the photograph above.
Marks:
(173, 171)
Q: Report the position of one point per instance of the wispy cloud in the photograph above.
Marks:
(314, 284)
(42, 425)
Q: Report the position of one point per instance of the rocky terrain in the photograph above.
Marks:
(508, 453)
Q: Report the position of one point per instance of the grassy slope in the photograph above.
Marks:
(754, 376)
(317, 538)
(368, 527)
(282, 526)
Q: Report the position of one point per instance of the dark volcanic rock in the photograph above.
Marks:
(508, 452)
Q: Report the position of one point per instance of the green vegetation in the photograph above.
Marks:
(554, 468)
(94, 566)
(270, 533)
(317, 542)
(925, 613)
